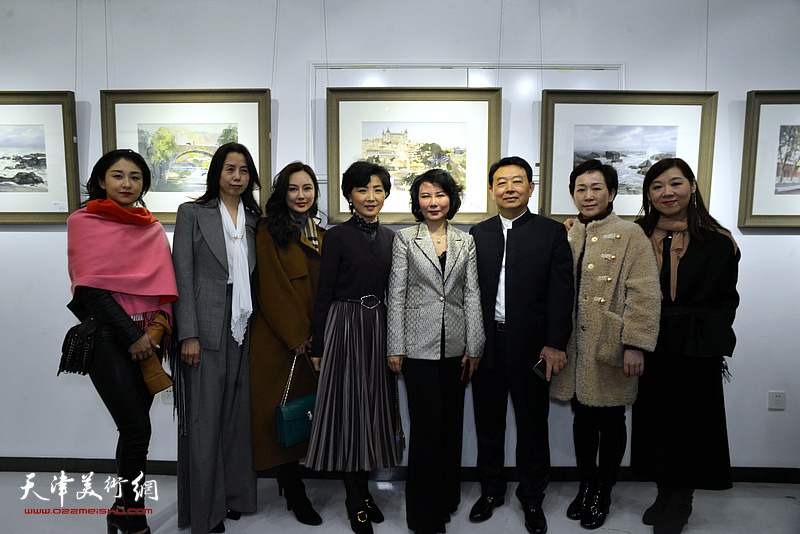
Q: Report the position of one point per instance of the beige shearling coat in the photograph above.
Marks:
(618, 304)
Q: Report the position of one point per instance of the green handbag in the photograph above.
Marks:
(294, 417)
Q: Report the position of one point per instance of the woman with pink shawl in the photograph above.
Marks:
(122, 275)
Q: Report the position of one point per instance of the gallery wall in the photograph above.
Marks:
(87, 46)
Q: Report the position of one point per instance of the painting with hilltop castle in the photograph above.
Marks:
(408, 149)
(179, 154)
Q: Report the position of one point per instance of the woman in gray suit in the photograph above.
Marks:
(214, 256)
(435, 339)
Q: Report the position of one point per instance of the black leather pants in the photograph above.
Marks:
(119, 382)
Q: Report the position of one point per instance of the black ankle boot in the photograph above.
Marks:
(297, 502)
(116, 521)
(575, 508)
(652, 514)
(596, 509)
(359, 517)
(375, 514)
(676, 513)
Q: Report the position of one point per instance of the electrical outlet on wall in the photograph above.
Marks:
(777, 400)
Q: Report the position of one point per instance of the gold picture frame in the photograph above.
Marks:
(193, 118)
(466, 120)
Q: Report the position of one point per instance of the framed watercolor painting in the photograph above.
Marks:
(770, 193)
(629, 130)
(411, 130)
(178, 131)
(39, 181)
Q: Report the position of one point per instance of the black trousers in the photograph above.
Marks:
(119, 382)
(530, 396)
(436, 409)
(598, 429)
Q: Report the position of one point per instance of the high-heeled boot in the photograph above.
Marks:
(116, 521)
(575, 508)
(676, 513)
(297, 502)
(596, 509)
(359, 517)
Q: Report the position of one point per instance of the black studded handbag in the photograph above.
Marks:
(78, 346)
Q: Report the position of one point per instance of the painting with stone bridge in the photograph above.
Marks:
(631, 150)
(179, 154)
(23, 158)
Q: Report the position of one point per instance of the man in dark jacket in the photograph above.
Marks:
(527, 293)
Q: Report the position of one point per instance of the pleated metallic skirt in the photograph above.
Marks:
(355, 417)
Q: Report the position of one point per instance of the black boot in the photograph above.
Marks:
(652, 514)
(676, 513)
(291, 486)
(596, 509)
(359, 517)
(575, 508)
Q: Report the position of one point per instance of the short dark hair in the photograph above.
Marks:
(279, 221)
(590, 165)
(443, 179)
(359, 174)
(699, 222)
(511, 160)
(215, 172)
(93, 188)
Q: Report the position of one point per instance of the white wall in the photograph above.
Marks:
(90, 45)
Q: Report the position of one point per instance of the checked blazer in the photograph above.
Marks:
(421, 297)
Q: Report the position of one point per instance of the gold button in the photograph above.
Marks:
(594, 239)
(602, 301)
(613, 257)
(586, 297)
(583, 329)
(617, 236)
(609, 279)
(590, 266)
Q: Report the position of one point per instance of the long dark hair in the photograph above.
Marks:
(93, 189)
(698, 220)
(279, 222)
(215, 171)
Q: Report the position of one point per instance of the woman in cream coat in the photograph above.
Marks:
(435, 339)
(615, 319)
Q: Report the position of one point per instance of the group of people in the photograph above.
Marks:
(262, 309)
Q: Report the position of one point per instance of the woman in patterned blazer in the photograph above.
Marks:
(435, 338)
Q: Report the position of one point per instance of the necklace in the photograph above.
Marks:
(439, 237)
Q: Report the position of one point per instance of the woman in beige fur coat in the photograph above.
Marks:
(616, 317)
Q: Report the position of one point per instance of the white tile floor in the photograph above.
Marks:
(747, 508)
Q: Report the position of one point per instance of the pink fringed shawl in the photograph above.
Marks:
(127, 253)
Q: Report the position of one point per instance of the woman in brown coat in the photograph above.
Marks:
(618, 305)
(288, 261)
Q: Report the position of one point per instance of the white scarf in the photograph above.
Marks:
(238, 269)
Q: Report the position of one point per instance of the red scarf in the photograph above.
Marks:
(123, 251)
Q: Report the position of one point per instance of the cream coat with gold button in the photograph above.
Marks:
(618, 304)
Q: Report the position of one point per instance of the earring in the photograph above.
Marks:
(694, 199)
(350, 205)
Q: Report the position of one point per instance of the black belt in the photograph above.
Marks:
(368, 301)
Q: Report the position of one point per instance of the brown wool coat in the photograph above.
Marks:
(618, 304)
(287, 287)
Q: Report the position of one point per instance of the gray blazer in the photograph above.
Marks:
(420, 296)
(201, 270)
